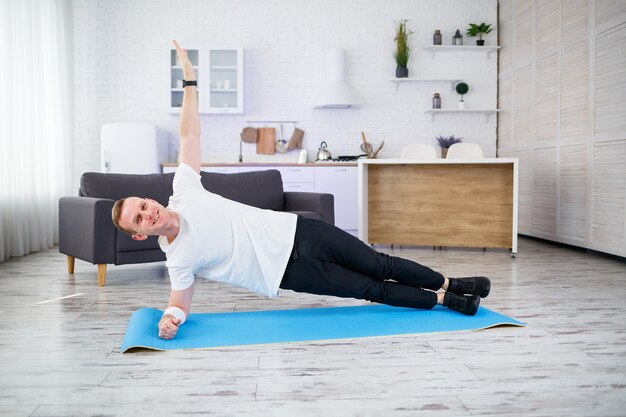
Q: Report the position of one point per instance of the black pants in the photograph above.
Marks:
(328, 261)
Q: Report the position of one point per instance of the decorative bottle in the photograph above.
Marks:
(436, 101)
(437, 37)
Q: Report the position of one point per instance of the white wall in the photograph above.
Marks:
(121, 59)
(561, 92)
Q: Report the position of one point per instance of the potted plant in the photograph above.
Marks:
(402, 52)
(445, 142)
(479, 30)
(462, 89)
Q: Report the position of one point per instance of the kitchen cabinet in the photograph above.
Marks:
(439, 202)
(295, 178)
(342, 182)
(219, 72)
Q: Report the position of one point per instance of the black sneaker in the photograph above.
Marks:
(466, 304)
(471, 285)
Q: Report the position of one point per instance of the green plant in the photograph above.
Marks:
(479, 30)
(446, 141)
(402, 52)
(462, 89)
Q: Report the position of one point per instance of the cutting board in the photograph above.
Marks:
(266, 142)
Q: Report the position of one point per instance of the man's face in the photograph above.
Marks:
(145, 216)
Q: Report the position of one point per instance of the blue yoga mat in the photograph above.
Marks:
(278, 326)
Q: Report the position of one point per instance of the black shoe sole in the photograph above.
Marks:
(470, 309)
(483, 294)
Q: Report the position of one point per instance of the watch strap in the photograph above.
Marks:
(187, 83)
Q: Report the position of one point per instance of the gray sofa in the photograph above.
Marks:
(86, 231)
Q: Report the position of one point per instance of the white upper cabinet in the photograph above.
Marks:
(225, 80)
(219, 72)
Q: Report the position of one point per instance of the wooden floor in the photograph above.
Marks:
(62, 358)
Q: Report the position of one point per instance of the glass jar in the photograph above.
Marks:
(436, 101)
(437, 37)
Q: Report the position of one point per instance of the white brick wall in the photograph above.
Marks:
(121, 57)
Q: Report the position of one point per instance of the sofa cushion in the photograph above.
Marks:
(115, 186)
(263, 189)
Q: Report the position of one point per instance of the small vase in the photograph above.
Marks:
(480, 42)
(402, 72)
(461, 105)
(444, 152)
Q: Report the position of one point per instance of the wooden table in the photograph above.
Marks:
(439, 202)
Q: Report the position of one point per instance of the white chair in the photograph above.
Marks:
(419, 150)
(465, 151)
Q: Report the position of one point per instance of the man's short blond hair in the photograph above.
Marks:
(116, 211)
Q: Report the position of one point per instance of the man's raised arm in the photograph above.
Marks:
(189, 125)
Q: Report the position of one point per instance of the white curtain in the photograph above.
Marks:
(36, 122)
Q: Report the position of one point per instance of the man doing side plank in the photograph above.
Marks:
(212, 237)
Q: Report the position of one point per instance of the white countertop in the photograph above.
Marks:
(437, 161)
(267, 164)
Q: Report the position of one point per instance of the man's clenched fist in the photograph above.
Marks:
(168, 326)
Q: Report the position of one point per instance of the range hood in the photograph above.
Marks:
(336, 92)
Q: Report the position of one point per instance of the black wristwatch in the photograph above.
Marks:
(186, 83)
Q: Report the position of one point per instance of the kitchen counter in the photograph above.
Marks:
(266, 164)
(439, 202)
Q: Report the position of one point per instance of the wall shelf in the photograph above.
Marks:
(486, 49)
(452, 81)
(486, 112)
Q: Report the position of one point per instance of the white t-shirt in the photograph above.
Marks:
(225, 241)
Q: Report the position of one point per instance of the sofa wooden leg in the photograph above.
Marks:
(102, 274)
(70, 264)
